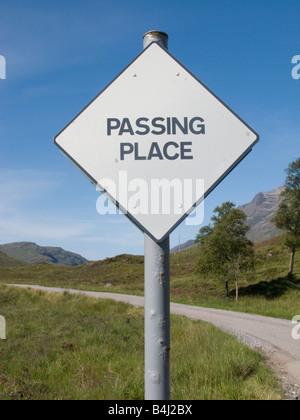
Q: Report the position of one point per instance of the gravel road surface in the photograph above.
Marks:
(271, 336)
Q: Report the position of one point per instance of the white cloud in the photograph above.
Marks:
(20, 186)
(18, 229)
(20, 190)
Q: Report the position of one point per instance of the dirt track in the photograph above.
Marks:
(270, 335)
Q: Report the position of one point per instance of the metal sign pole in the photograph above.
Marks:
(157, 319)
(157, 300)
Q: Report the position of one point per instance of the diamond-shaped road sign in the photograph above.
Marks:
(154, 136)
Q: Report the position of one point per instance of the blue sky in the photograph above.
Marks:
(61, 54)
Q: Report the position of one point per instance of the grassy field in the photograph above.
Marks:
(266, 291)
(76, 348)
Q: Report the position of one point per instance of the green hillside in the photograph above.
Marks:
(266, 291)
(32, 253)
(6, 261)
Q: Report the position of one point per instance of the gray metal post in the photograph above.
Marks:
(157, 300)
(157, 319)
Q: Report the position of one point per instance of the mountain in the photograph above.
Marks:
(259, 214)
(6, 261)
(32, 253)
(181, 247)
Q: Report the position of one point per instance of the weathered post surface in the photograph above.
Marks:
(157, 300)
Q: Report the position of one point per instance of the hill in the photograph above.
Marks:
(265, 291)
(32, 253)
(182, 247)
(125, 273)
(6, 261)
(259, 214)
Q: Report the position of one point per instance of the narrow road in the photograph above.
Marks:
(270, 335)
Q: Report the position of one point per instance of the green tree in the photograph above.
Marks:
(287, 216)
(225, 251)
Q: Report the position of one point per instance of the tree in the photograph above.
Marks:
(225, 251)
(287, 216)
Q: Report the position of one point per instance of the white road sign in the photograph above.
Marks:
(156, 141)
